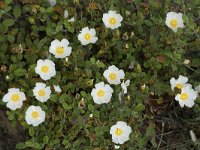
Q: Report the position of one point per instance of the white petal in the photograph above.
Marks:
(182, 79)
(99, 85)
(65, 42)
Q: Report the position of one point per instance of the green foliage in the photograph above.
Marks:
(143, 41)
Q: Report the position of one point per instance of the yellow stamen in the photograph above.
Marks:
(112, 21)
(101, 93)
(35, 114)
(179, 85)
(45, 69)
(15, 98)
(118, 131)
(174, 23)
(112, 76)
(41, 92)
(87, 36)
(184, 96)
(59, 50)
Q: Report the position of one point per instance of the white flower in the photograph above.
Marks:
(60, 48)
(124, 85)
(112, 19)
(174, 21)
(179, 83)
(42, 92)
(117, 146)
(102, 93)
(187, 97)
(57, 88)
(34, 115)
(46, 69)
(14, 98)
(113, 75)
(52, 2)
(66, 14)
(197, 89)
(71, 20)
(87, 36)
(120, 132)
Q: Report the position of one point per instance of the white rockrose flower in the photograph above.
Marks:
(14, 98)
(42, 92)
(179, 83)
(187, 97)
(45, 68)
(174, 21)
(87, 36)
(112, 20)
(34, 115)
(120, 132)
(102, 93)
(60, 49)
(114, 75)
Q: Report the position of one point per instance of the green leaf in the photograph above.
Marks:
(8, 22)
(54, 97)
(31, 131)
(28, 143)
(150, 130)
(8, 2)
(65, 105)
(17, 11)
(83, 93)
(19, 72)
(140, 107)
(11, 38)
(38, 146)
(63, 98)
(90, 107)
(20, 146)
(11, 115)
(96, 113)
(45, 139)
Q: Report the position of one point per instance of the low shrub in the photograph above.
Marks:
(142, 46)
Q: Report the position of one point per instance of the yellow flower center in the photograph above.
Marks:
(174, 23)
(112, 21)
(101, 93)
(35, 114)
(112, 76)
(15, 98)
(87, 36)
(184, 96)
(59, 50)
(118, 131)
(179, 85)
(41, 92)
(45, 69)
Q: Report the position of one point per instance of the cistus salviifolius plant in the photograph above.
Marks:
(103, 74)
